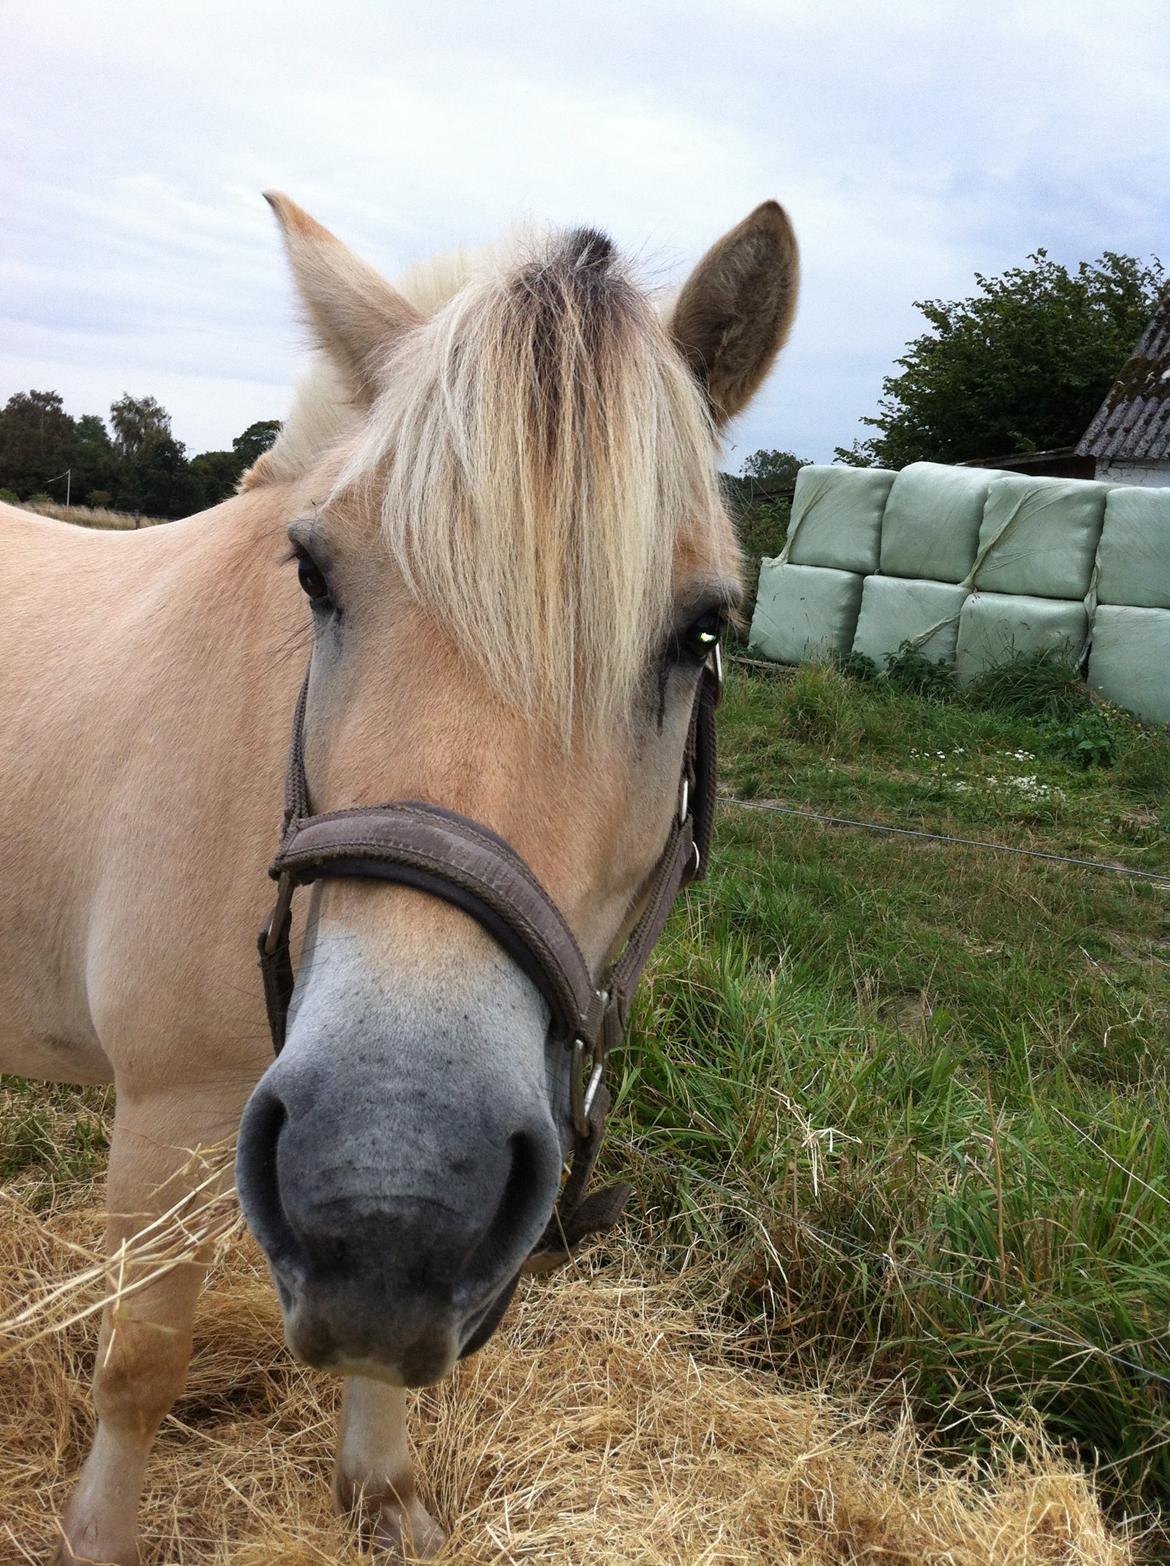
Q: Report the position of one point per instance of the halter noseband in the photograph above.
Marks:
(462, 862)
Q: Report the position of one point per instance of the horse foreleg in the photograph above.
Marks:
(145, 1342)
(374, 1478)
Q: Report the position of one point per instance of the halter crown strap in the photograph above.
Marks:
(464, 863)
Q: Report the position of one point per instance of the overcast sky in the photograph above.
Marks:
(913, 143)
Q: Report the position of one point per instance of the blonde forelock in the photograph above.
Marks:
(536, 454)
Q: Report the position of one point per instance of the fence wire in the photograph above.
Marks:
(770, 807)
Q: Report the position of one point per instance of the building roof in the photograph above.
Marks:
(1061, 462)
(1134, 420)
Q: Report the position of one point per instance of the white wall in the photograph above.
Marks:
(1149, 475)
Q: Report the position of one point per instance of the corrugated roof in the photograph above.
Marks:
(1134, 420)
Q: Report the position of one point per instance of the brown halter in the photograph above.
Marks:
(458, 860)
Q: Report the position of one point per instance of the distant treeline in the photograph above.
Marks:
(131, 463)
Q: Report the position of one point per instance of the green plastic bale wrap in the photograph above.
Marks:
(1130, 660)
(1133, 562)
(931, 523)
(894, 611)
(1039, 536)
(995, 627)
(837, 517)
(804, 612)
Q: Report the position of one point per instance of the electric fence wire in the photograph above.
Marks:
(770, 807)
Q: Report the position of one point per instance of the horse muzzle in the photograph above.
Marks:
(397, 1174)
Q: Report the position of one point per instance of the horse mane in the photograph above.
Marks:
(537, 454)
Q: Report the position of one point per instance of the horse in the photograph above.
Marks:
(492, 528)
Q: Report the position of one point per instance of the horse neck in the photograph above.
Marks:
(211, 646)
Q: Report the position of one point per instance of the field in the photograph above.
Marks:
(896, 1112)
(89, 516)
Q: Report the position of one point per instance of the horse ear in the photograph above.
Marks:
(354, 313)
(735, 310)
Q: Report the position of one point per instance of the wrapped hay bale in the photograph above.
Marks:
(837, 517)
(1039, 536)
(1133, 562)
(1130, 660)
(932, 519)
(995, 627)
(893, 611)
(804, 612)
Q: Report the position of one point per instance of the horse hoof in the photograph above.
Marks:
(83, 1553)
(408, 1534)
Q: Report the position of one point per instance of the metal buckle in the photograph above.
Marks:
(684, 800)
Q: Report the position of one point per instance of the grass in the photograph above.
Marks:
(914, 1094)
(866, 748)
(900, 1110)
(90, 516)
(52, 1137)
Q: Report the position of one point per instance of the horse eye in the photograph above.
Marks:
(703, 634)
(313, 583)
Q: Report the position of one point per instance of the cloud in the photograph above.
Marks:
(913, 145)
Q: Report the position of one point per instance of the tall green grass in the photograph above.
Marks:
(916, 1098)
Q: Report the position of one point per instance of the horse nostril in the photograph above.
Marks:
(520, 1215)
(521, 1184)
(258, 1180)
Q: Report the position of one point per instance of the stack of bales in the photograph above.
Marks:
(970, 566)
(1130, 659)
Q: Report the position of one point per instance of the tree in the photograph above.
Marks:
(144, 468)
(91, 457)
(255, 441)
(137, 420)
(776, 469)
(35, 434)
(218, 473)
(1022, 365)
(157, 480)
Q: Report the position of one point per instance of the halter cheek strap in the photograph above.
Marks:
(462, 862)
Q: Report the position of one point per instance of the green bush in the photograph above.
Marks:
(9, 497)
(910, 670)
(1031, 685)
(856, 666)
(1089, 740)
(40, 499)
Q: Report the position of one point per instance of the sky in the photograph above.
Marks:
(913, 144)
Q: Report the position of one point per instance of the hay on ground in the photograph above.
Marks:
(602, 1425)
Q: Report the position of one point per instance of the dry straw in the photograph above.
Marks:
(90, 516)
(604, 1424)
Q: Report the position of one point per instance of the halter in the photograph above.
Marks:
(462, 862)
